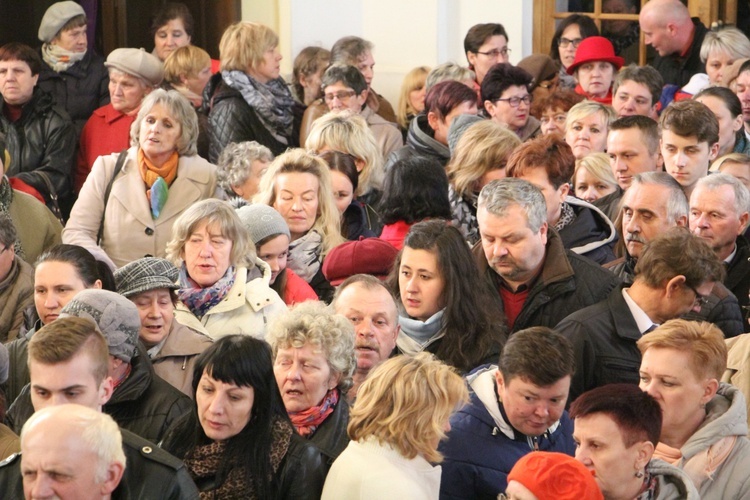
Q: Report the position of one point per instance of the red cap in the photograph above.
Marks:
(550, 475)
(595, 48)
(365, 256)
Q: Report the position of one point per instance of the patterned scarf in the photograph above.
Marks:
(271, 101)
(567, 215)
(58, 58)
(198, 299)
(307, 421)
(304, 255)
(203, 463)
(158, 180)
(649, 489)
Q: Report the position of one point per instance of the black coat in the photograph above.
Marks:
(331, 437)
(80, 89)
(43, 139)
(679, 70)
(150, 473)
(738, 275)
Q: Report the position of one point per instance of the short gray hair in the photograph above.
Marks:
(446, 72)
(236, 160)
(313, 322)
(346, 74)
(182, 112)
(500, 195)
(677, 203)
(717, 180)
(97, 430)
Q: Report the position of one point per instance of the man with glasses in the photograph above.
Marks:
(675, 275)
(344, 88)
(486, 45)
(507, 101)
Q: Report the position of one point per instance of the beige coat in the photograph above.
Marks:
(38, 229)
(16, 294)
(129, 230)
(176, 359)
(738, 366)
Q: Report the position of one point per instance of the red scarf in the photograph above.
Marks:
(307, 421)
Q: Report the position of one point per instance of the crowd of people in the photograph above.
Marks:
(525, 281)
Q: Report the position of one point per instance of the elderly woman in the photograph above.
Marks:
(313, 352)
(569, 34)
(237, 442)
(720, 48)
(594, 69)
(298, 185)
(617, 428)
(150, 283)
(479, 157)
(349, 133)
(130, 201)
(307, 72)
(133, 73)
(587, 126)
(400, 416)
(270, 235)
(593, 177)
(704, 427)
(248, 100)
(552, 111)
(240, 168)
(223, 285)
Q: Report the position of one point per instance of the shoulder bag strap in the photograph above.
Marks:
(118, 168)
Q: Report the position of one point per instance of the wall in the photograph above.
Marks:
(406, 33)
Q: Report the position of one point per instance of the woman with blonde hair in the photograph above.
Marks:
(349, 133)
(248, 100)
(400, 416)
(587, 126)
(704, 425)
(298, 185)
(479, 157)
(187, 70)
(720, 48)
(593, 178)
(411, 97)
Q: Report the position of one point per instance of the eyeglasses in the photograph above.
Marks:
(496, 52)
(514, 102)
(341, 95)
(564, 42)
(699, 299)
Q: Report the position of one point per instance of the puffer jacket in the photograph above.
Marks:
(143, 404)
(80, 89)
(674, 483)
(231, 119)
(420, 141)
(590, 233)
(42, 140)
(567, 283)
(726, 416)
(482, 446)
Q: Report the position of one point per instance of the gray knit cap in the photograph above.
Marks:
(116, 317)
(55, 18)
(459, 125)
(262, 221)
(146, 274)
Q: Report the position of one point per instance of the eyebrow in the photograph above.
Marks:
(70, 387)
(419, 270)
(304, 192)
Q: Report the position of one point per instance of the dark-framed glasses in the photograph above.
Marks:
(514, 102)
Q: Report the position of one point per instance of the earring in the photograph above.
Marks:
(639, 474)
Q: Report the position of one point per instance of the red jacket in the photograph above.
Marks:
(297, 290)
(395, 233)
(106, 132)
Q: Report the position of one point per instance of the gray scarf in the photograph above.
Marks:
(304, 255)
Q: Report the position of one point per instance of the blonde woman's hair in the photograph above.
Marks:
(597, 164)
(188, 60)
(414, 80)
(405, 403)
(729, 40)
(215, 213)
(703, 341)
(587, 108)
(485, 146)
(181, 111)
(328, 221)
(331, 334)
(349, 133)
(243, 45)
(729, 159)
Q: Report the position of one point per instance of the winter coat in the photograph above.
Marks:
(143, 403)
(369, 470)
(590, 233)
(231, 119)
(9, 443)
(673, 483)
(567, 283)
(738, 275)
(42, 140)
(738, 366)
(150, 472)
(106, 132)
(356, 221)
(482, 446)
(176, 359)
(420, 141)
(297, 290)
(248, 307)
(37, 228)
(331, 437)
(16, 294)
(386, 133)
(130, 231)
(395, 233)
(679, 70)
(610, 204)
(18, 367)
(80, 89)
